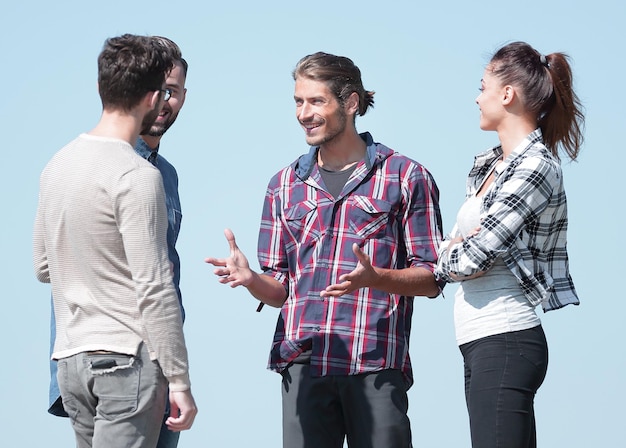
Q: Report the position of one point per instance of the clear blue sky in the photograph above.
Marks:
(238, 128)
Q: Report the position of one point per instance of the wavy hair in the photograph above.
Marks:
(340, 75)
(129, 66)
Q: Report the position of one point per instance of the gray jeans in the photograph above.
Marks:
(370, 410)
(113, 400)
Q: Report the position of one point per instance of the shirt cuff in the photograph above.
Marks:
(179, 383)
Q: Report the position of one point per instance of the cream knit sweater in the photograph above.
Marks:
(100, 240)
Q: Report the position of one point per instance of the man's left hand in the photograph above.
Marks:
(362, 276)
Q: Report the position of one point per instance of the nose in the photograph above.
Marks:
(303, 111)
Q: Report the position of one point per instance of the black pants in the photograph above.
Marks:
(502, 374)
(370, 410)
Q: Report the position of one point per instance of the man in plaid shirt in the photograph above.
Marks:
(349, 235)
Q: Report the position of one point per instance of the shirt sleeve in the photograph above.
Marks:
(142, 220)
(271, 252)
(513, 205)
(422, 220)
(40, 258)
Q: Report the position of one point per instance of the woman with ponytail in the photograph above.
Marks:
(508, 248)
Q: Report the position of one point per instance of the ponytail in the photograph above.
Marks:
(547, 92)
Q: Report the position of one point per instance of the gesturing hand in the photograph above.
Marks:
(362, 276)
(234, 269)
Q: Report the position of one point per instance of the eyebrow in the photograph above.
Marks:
(310, 98)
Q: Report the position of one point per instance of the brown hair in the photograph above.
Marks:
(129, 66)
(340, 75)
(546, 91)
(175, 49)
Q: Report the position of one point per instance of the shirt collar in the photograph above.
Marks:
(142, 148)
(486, 158)
(374, 152)
(532, 138)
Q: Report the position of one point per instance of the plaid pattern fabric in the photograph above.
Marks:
(524, 220)
(389, 207)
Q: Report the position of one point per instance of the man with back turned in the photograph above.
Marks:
(100, 240)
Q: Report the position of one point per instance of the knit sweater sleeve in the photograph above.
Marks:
(142, 219)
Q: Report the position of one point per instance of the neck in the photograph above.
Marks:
(511, 134)
(151, 141)
(117, 124)
(342, 152)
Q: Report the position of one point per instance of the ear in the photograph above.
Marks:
(509, 94)
(352, 104)
(152, 99)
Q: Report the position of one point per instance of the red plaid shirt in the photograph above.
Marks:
(389, 207)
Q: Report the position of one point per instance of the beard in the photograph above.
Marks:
(335, 128)
(149, 119)
(158, 129)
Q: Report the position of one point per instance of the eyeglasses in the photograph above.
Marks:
(167, 94)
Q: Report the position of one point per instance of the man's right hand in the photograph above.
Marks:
(234, 269)
(183, 411)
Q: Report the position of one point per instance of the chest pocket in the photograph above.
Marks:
(300, 220)
(369, 216)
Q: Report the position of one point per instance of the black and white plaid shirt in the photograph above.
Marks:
(523, 220)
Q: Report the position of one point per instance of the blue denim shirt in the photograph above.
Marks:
(174, 216)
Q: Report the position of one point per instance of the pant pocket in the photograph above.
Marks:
(69, 403)
(115, 384)
(533, 348)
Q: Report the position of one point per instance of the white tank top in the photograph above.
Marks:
(493, 303)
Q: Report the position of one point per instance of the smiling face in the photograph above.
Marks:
(319, 112)
(490, 101)
(176, 83)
